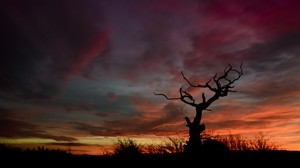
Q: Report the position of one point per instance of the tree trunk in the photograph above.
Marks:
(195, 128)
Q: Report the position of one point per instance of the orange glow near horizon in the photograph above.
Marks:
(105, 145)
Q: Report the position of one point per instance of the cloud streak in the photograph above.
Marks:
(20, 129)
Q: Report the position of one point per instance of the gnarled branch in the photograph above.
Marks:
(183, 96)
(220, 89)
(176, 98)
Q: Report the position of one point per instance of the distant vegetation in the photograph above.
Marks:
(238, 142)
(228, 150)
(231, 142)
(9, 151)
(173, 145)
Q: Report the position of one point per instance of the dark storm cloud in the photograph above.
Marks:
(104, 102)
(272, 67)
(43, 43)
(226, 28)
(79, 107)
(5, 113)
(20, 129)
(96, 130)
(149, 49)
(169, 117)
(275, 55)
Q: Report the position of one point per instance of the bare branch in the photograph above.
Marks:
(188, 121)
(223, 85)
(189, 81)
(199, 85)
(183, 96)
(203, 98)
(175, 98)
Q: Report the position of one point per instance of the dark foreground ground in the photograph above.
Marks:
(229, 158)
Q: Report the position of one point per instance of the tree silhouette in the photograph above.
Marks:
(222, 85)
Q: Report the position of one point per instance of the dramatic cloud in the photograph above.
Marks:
(20, 129)
(161, 122)
(89, 68)
(44, 43)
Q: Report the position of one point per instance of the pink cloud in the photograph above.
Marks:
(94, 48)
(267, 17)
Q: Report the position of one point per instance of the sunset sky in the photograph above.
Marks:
(83, 72)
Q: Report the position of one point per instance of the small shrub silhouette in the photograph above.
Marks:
(171, 146)
(127, 148)
(214, 145)
(240, 143)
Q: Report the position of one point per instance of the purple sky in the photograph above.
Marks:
(88, 68)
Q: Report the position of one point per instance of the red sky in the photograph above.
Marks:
(84, 72)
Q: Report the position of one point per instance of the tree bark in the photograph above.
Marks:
(195, 130)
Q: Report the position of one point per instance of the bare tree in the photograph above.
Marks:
(223, 84)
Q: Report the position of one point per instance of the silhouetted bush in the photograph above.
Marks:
(10, 152)
(127, 147)
(211, 144)
(170, 146)
(241, 143)
(7, 151)
(214, 145)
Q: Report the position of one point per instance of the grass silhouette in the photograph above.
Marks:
(228, 150)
